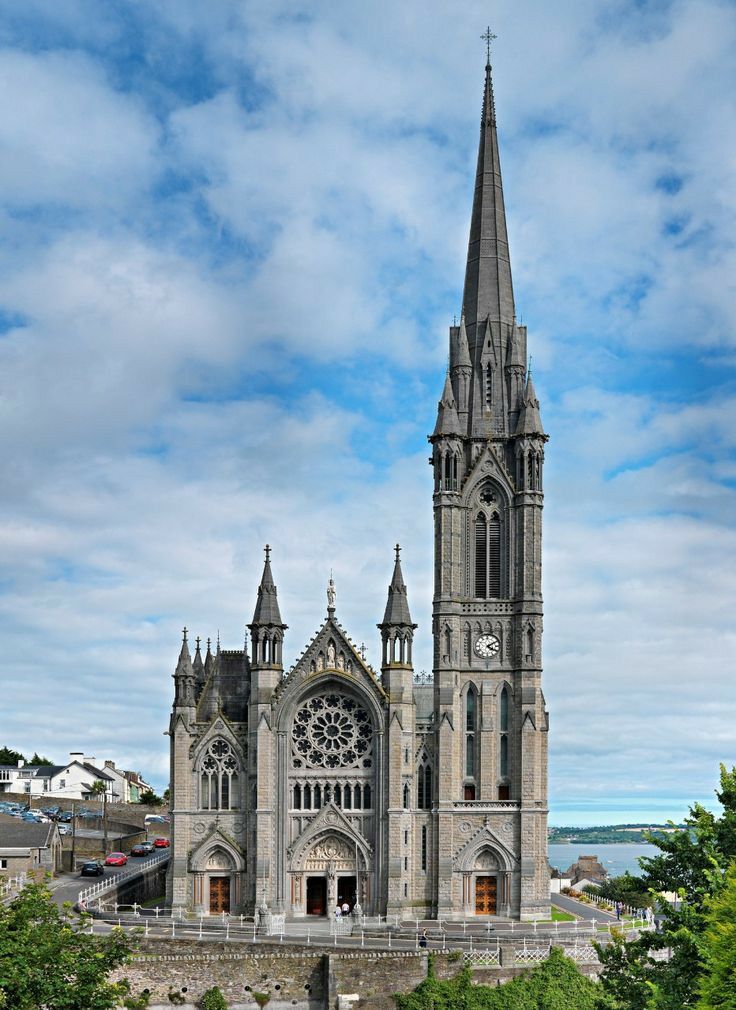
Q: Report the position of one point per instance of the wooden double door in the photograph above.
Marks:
(486, 895)
(219, 895)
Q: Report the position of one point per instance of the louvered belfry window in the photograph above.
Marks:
(488, 556)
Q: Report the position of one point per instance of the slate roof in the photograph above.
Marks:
(18, 834)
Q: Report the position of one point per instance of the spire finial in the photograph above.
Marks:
(267, 550)
(398, 551)
(488, 37)
(529, 368)
(331, 595)
(185, 634)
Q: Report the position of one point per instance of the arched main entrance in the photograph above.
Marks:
(329, 872)
(486, 883)
(217, 877)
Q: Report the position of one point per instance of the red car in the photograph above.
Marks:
(116, 859)
(161, 843)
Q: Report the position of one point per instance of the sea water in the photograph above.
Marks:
(617, 857)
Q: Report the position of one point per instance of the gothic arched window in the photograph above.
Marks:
(471, 720)
(424, 784)
(406, 796)
(503, 745)
(366, 797)
(488, 555)
(503, 718)
(218, 777)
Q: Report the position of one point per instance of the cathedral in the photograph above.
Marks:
(328, 783)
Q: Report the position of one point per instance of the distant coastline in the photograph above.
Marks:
(620, 834)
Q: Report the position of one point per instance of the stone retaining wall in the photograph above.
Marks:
(295, 977)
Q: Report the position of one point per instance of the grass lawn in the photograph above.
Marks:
(559, 916)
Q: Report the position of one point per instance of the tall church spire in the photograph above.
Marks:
(488, 292)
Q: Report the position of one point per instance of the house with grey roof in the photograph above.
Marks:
(26, 847)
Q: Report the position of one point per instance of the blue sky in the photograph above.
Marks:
(232, 237)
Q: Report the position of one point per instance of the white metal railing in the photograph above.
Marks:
(108, 883)
(12, 885)
(531, 955)
(481, 958)
(486, 804)
(585, 954)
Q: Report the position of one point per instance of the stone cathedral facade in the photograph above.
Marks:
(329, 782)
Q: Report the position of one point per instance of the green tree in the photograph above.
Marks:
(692, 863)
(717, 987)
(150, 799)
(8, 756)
(627, 888)
(46, 960)
(38, 760)
(556, 984)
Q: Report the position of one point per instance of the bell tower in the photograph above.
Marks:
(489, 712)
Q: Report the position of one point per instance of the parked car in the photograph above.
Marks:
(92, 869)
(142, 849)
(66, 817)
(155, 819)
(161, 843)
(116, 859)
(64, 829)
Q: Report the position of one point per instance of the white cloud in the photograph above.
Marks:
(265, 192)
(67, 137)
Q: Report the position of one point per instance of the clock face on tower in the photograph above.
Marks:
(487, 646)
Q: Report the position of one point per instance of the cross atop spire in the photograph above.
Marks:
(488, 37)
(398, 551)
(267, 551)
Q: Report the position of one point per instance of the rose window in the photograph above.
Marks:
(332, 731)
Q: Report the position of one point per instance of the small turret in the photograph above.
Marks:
(211, 698)
(267, 628)
(184, 677)
(448, 422)
(397, 628)
(530, 439)
(198, 668)
(515, 373)
(530, 420)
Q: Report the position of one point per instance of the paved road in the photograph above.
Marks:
(66, 886)
(580, 909)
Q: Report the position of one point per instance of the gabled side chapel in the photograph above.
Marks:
(295, 790)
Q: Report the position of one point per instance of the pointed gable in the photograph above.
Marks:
(330, 651)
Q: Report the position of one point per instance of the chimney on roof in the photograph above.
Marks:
(110, 764)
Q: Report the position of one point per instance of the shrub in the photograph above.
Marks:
(213, 1000)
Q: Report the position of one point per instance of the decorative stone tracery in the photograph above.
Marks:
(332, 731)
